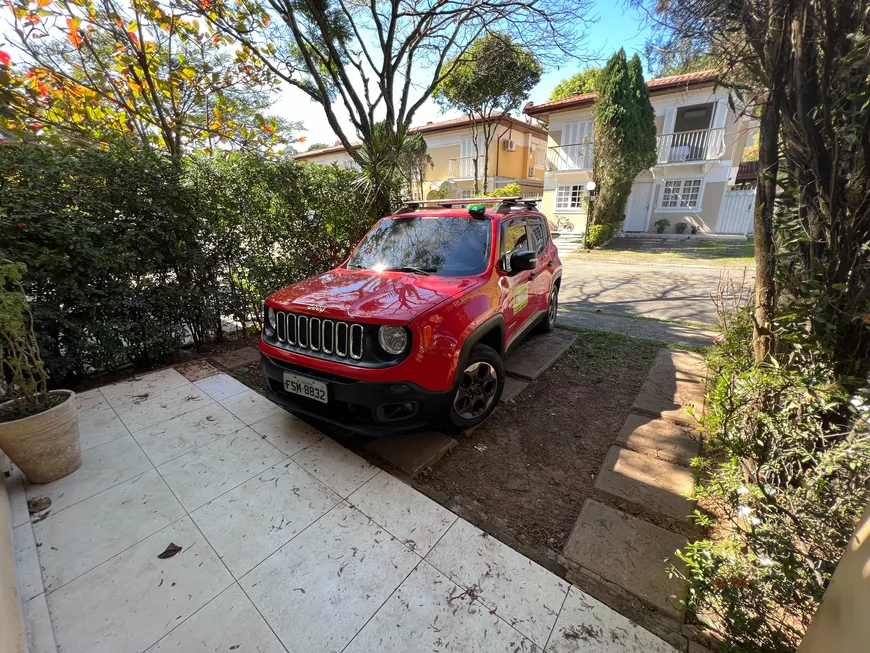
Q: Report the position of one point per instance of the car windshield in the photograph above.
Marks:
(442, 246)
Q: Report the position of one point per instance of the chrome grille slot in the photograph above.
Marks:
(327, 337)
(316, 334)
(302, 331)
(356, 341)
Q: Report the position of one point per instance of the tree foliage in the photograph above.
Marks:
(142, 71)
(414, 162)
(493, 78)
(625, 135)
(586, 81)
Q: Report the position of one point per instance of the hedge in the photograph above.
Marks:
(130, 255)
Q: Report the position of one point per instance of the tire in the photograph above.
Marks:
(549, 321)
(478, 388)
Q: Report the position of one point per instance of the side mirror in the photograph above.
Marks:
(522, 260)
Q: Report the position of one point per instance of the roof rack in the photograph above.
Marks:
(505, 203)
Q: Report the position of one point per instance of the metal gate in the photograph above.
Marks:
(735, 212)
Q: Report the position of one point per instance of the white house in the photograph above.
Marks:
(701, 142)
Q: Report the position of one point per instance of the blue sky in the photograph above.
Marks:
(617, 26)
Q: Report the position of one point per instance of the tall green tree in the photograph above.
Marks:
(492, 79)
(586, 81)
(625, 135)
(414, 162)
(141, 71)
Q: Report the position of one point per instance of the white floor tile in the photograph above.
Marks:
(134, 599)
(430, 613)
(156, 407)
(290, 434)
(250, 406)
(221, 386)
(341, 470)
(147, 384)
(522, 592)
(320, 588)
(91, 401)
(409, 515)
(87, 534)
(96, 428)
(188, 431)
(37, 624)
(17, 501)
(588, 626)
(27, 563)
(205, 473)
(229, 623)
(102, 467)
(252, 521)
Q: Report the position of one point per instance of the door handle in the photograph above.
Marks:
(533, 276)
(549, 264)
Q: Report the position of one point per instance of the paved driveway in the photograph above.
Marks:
(289, 542)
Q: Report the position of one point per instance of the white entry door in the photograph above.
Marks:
(637, 209)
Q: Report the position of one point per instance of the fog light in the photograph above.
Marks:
(272, 316)
(393, 339)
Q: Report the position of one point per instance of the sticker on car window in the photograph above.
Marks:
(521, 296)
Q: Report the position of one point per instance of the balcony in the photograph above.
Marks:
(570, 157)
(463, 168)
(691, 146)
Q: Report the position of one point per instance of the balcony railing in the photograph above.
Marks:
(463, 168)
(699, 145)
(570, 157)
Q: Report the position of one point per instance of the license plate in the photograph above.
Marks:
(302, 385)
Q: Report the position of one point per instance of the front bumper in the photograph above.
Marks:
(366, 407)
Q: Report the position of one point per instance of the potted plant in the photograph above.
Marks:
(680, 227)
(661, 224)
(38, 427)
(693, 229)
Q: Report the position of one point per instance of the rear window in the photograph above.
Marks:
(443, 246)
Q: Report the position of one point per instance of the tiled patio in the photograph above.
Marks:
(290, 542)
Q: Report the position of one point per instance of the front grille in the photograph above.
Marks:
(308, 333)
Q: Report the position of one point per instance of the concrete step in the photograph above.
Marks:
(533, 357)
(675, 382)
(652, 486)
(630, 553)
(414, 452)
(660, 438)
(512, 387)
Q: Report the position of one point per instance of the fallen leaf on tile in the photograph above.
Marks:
(38, 504)
(170, 551)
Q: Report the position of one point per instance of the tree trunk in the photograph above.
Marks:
(765, 258)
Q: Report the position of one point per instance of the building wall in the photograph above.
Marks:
(705, 218)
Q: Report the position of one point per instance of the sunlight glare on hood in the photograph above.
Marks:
(378, 267)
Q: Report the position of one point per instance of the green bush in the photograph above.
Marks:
(509, 190)
(601, 233)
(128, 255)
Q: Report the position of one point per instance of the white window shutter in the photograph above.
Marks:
(666, 138)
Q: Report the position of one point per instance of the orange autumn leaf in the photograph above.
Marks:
(301, 139)
(33, 19)
(42, 3)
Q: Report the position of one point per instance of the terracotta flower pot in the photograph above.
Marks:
(46, 445)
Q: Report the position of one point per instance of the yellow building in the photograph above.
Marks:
(517, 154)
(694, 181)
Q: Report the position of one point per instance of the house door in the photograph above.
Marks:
(637, 210)
(466, 158)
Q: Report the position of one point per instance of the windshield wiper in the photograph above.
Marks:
(411, 268)
(354, 266)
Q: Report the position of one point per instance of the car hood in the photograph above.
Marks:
(386, 297)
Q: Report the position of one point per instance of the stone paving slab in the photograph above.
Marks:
(629, 552)
(683, 365)
(675, 383)
(512, 387)
(537, 354)
(660, 438)
(648, 484)
(238, 357)
(412, 453)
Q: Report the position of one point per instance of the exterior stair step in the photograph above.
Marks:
(675, 382)
(660, 438)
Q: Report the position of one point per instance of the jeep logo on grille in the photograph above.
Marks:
(315, 307)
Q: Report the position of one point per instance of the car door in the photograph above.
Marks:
(541, 280)
(516, 307)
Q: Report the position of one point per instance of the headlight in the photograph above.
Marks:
(393, 339)
(272, 316)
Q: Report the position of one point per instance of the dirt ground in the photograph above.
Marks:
(533, 463)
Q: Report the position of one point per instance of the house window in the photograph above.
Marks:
(681, 194)
(571, 197)
(466, 194)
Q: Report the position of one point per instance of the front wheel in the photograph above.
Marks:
(478, 389)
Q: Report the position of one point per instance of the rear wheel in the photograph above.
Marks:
(549, 321)
(478, 389)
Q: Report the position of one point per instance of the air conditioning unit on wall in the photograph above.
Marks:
(509, 146)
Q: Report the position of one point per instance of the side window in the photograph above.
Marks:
(514, 236)
(539, 232)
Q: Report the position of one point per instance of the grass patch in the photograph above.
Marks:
(699, 325)
(607, 350)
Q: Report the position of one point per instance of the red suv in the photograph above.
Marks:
(411, 331)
